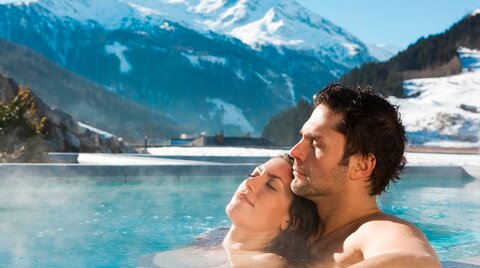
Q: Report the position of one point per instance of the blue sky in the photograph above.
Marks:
(397, 23)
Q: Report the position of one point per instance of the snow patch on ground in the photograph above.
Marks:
(118, 50)
(263, 31)
(215, 151)
(239, 74)
(265, 80)
(475, 12)
(444, 111)
(230, 115)
(166, 26)
(96, 130)
(290, 88)
(208, 6)
(196, 60)
(352, 49)
(435, 159)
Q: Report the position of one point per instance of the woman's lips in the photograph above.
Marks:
(244, 197)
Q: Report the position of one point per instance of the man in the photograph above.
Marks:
(351, 148)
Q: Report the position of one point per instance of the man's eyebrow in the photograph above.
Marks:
(314, 136)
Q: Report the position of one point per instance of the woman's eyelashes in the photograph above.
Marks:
(270, 186)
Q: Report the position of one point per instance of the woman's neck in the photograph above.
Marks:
(241, 239)
(245, 248)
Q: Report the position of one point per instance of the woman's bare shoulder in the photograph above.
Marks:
(269, 259)
(186, 257)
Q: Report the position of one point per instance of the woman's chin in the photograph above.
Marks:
(232, 209)
(235, 213)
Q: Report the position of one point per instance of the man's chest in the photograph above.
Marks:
(336, 251)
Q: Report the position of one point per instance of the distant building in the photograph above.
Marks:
(221, 140)
(184, 140)
(180, 141)
(469, 59)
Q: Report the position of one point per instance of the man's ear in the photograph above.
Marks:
(362, 166)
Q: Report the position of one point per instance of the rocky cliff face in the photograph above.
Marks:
(59, 131)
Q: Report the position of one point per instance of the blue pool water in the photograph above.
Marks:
(445, 208)
(92, 223)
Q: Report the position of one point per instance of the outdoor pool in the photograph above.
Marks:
(78, 222)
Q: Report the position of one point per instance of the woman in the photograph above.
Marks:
(270, 225)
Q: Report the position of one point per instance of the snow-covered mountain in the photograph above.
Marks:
(383, 52)
(444, 111)
(255, 22)
(213, 64)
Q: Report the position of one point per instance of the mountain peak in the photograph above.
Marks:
(475, 12)
(229, 50)
(255, 23)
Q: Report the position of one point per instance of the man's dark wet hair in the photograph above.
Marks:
(292, 243)
(372, 126)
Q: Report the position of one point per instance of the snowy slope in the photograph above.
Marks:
(445, 111)
(254, 22)
(475, 12)
(383, 52)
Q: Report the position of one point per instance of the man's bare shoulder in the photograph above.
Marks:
(385, 222)
(384, 236)
(376, 240)
(382, 226)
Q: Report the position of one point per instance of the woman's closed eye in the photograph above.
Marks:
(270, 186)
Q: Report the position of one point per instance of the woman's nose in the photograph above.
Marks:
(297, 151)
(252, 183)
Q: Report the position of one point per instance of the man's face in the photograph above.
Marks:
(317, 168)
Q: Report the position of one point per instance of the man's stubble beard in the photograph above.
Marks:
(321, 185)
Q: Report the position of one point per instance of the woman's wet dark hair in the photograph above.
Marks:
(292, 243)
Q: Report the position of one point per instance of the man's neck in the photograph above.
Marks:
(339, 210)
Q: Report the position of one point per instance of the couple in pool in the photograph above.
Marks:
(319, 209)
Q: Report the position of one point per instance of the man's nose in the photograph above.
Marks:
(298, 151)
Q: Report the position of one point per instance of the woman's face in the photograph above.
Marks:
(262, 201)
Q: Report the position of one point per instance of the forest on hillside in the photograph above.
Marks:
(433, 56)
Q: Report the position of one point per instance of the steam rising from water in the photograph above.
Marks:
(87, 222)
